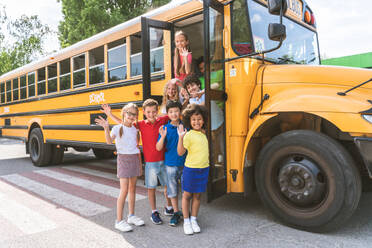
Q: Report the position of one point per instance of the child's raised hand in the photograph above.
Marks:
(184, 94)
(184, 52)
(106, 109)
(181, 130)
(163, 131)
(102, 122)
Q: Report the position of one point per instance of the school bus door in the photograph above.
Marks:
(215, 96)
(153, 39)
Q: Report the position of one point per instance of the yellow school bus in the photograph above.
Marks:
(298, 133)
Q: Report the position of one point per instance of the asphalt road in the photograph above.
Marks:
(73, 205)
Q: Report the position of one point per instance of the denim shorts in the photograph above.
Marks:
(153, 171)
(174, 174)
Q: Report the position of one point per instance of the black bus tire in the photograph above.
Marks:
(103, 153)
(40, 152)
(57, 155)
(331, 172)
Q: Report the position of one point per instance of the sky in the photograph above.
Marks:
(343, 25)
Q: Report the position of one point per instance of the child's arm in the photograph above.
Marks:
(186, 56)
(107, 110)
(106, 127)
(163, 134)
(181, 133)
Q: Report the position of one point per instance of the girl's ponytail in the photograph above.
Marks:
(121, 130)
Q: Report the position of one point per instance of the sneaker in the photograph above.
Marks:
(135, 220)
(155, 218)
(168, 212)
(175, 219)
(195, 226)
(187, 228)
(123, 226)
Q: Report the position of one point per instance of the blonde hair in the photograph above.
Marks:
(177, 60)
(165, 95)
(124, 110)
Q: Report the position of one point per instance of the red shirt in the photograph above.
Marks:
(149, 133)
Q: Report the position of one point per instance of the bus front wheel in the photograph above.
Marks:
(40, 152)
(308, 180)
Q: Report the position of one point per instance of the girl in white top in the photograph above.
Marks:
(129, 164)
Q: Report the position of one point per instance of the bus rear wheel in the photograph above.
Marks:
(40, 152)
(103, 153)
(308, 180)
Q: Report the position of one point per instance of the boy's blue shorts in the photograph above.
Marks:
(174, 174)
(153, 171)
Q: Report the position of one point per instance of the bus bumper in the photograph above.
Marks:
(365, 147)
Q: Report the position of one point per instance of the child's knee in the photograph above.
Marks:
(186, 196)
(196, 196)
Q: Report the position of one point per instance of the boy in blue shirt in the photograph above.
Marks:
(174, 163)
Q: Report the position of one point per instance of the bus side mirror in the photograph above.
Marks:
(277, 32)
(274, 6)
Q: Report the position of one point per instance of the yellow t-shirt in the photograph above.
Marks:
(196, 144)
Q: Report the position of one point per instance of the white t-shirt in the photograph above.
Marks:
(127, 143)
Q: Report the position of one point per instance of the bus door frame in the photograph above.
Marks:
(146, 24)
(216, 187)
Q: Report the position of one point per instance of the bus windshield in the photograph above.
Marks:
(300, 46)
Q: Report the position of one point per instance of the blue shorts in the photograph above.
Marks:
(174, 174)
(153, 171)
(195, 180)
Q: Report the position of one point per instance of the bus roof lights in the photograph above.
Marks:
(312, 19)
(307, 17)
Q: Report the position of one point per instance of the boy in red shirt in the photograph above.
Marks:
(154, 159)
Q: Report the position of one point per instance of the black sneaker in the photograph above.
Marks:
(155, 218)
(175, 219)
(168, 212)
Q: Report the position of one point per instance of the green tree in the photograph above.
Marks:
(83, 19)
(21, 40)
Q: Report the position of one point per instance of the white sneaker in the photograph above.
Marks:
(135, 220)
(187, 228)
(195, 226)
(123, 226)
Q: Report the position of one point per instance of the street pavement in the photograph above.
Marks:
(74, 205)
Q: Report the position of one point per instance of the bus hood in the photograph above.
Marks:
(345, 77)
(314, 88)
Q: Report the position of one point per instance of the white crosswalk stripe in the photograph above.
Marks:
(92, 172)
(25, 219)
(77, 204)
(97, 187)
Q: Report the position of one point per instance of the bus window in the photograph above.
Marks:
(41, 81)
(15, 89)
(31, 84)
(156, 50)
(97, 66)
(241, 38)
(23, 87)
(65, 75)
(136, 55)
(8, 91)
(79, 71)
(117, 60)
(52, 78)
(2, 93)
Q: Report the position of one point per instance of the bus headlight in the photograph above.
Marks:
(368, 118)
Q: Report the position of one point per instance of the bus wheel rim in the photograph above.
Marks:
(301, 182)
